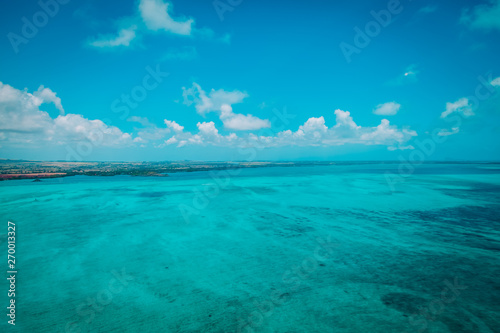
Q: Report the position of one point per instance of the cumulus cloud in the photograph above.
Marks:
(20, 113)
(212, 101)
(207, 134)
(496, 82)
(221, 101)
(124, 37)
(461, 106)
(314, 132)
(385, 133)
(48, 96)
(156, 16)
(240, 122)
(387, 109)
(149, 131)
(171, 141)
(23, 122)
(344, 120)
(174, 126)
(484, 17)
(74, 127)
(314, 126)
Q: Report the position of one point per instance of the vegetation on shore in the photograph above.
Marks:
(18, 169)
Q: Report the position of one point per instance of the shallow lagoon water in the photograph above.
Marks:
(298, 249)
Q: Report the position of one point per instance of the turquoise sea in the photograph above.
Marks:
(297, 249)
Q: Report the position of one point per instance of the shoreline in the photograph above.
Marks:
(138, 173)
(160, 169)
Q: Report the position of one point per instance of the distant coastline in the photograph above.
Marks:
(15, 169)
(22, 169)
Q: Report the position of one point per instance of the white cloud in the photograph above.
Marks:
(239, 122)
(139, 140)
(345, 131)
(221, 101)
(20, 113)
(171, 141)
(155, 14)
(313, 132)
(344, 119)
(385, 133)
(173, 126)
(387, 109)
(208, 129)
(74, 127)
(124, 37)
(149, 131)
(207, 134)
(445, 132)
(153, 133)
(496, 82)
(316, 126)
(48, 96)
(141, 120)
(388, 134)
(409, 147)
(22, 122)
(485, 16)
(461, 106)
(213, 101)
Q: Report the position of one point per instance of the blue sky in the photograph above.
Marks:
(241, 80)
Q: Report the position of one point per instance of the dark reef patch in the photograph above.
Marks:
(403, 302)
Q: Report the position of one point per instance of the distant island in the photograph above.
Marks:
(21, 169)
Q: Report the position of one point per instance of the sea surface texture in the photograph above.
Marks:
(298, 249)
